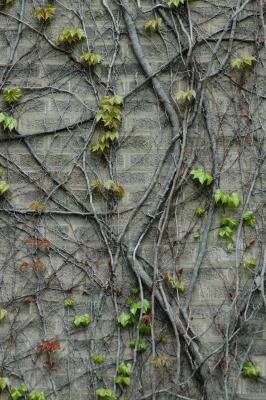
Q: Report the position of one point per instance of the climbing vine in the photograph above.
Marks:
(132, 190)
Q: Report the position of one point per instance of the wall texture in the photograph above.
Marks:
(67, 232)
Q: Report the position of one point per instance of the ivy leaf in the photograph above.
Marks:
(220, 197)
(227, 221)
(234, 200)
(200, 211)
(3, 383)
(12, 95)
(125, 369)
(98, 358)
(91, 58)
(250, 370)
(4, 186)
(70, 36)
(125, 319)
(175, 3)
(106, 394)
(69, 302)
(226, 233)
(250, 219)
(36, 395)
(123, 380)
(199, 174)
(45, 13)
(250, 262)
(116, 188)
(3, 314)
(9, 123)
(243, 62)
(82, 320)
(185, 97)
(153, 24)
(141, 345)
(18, 392)
(144, 328)
(135, 307)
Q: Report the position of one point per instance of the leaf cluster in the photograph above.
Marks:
(124, 373)
(34, 395)
(82, 320)
(200, 175)
(18, 392)
(98, 358)
(109, 187)
(185, 97)
(242, 63)
(250, 219)
(232, 200)
(109, 116)
(46, 13)
(70, 36)
(105, 394)
(249, 263)
(129, 318)
(12, 94)
(69, 302)
(3, 314)
(153, 25)
(175, 283)
(141, 345)
(250, 370)
(8, 123)
(175, 3)
(3, 383)
(91, 58)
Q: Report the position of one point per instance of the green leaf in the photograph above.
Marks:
(4, 186)
(125, 369)
(198, 174)
(106, 394)
(226, 233)
(45, 13)
(82, 320)
(220, 197)
(250, 262)
(69, 302)
(3, 383)
(141, 345)
(227, 221)
(250, 370)
(36, 395)
(138, 306)
(118, 190)
(145, 328)
(243, 62)
(123, 380)
(12, 94)
(175, 3)
(230, 246)
(18, 392)
(9, 123)
(234, 200)
(200, 211)
(185, 98)
(98, 358)
(91, 58)
(250, 219)
(3, 314)
(125, 319)
(70, 36)
(153, 24)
